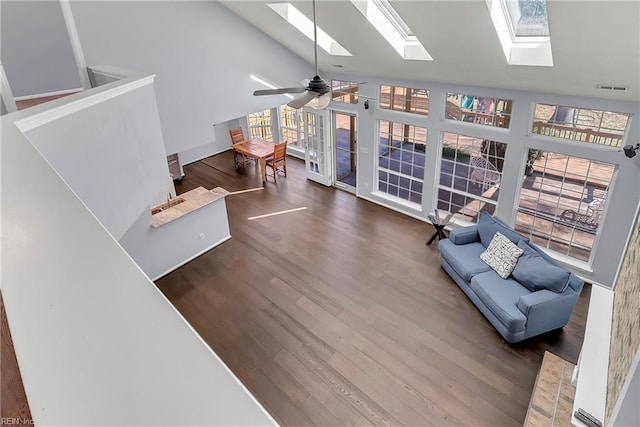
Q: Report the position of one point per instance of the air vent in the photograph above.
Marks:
(611, 87)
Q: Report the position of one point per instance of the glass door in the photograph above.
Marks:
(317, 145)
(345, 153)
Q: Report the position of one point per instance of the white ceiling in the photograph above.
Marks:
(593, 42)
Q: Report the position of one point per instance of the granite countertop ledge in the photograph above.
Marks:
(193, 200)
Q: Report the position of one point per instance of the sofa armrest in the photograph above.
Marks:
(527, 302)
(464, 235)
(547, 310)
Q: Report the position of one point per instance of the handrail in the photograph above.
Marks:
(577, 133)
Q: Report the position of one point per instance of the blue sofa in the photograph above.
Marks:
(541, 301)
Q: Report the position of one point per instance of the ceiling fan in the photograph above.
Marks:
(316, 93)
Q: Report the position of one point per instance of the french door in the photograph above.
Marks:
(317, 153)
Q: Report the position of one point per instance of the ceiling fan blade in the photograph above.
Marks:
(302, 100)
(304, 82)
(279, 91)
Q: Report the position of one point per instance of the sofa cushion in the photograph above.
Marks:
(501, 298)
(464, 259)
(536, 273)
(464, 235)
(501, 255)
(488, 226)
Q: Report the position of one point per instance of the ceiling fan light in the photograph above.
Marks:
(320, 102)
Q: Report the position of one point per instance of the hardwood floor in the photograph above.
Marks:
(339, 314)
(14, 408)
(26, 103)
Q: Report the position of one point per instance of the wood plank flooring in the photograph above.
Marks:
(14, 408)
(340, 315)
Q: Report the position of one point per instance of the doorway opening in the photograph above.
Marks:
(345, 153)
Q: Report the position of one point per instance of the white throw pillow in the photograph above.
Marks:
(501, 255)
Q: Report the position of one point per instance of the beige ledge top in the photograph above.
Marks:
(193, 200)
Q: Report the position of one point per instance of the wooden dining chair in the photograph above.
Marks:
(279, 160)
(237, 136)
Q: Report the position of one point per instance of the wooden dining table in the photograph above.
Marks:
(258, 149)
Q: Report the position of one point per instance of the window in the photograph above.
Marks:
(260, 125)
(562, 202)
(528, 18)
(303, 24)
(580, 124)
(476, 109)
(470, 173)
(387, 21)
(406, 99)
(401, 156)
(522, 27)
(342, 91)
(291, 126)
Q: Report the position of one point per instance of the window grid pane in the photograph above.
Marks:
(562, 202)
(401, 160)
(409, 100)
(291, 126)
(260, 125)
(344, 91)
(580, 124)
(470, 173)
(493, 112)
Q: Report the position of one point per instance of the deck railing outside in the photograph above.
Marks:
(577, 134)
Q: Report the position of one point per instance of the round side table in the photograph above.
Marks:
(439, 223)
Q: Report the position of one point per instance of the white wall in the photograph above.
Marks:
(35, 47)
(111, 153)
(6, 95)
(97, 343)
(222, 143)
(202, 53)
(625, 195)
(160, 250)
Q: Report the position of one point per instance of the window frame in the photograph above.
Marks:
(299, 143)
(339, 84)
(261, 130)
(400, 175)
(493, 115)
(392, 95)
(467, 195)
(558, 219)
(552, 126)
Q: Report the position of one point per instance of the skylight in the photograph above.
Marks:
(528, 18)
(303, 24)
(523, 29)
(390, 25)
(393, 16)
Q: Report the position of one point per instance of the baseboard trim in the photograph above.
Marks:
(207, 249)
(45, 95)
(189, 161)
(393, 208)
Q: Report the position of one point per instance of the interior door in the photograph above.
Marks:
(317, 151)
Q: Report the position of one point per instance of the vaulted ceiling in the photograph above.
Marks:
(593, 42)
